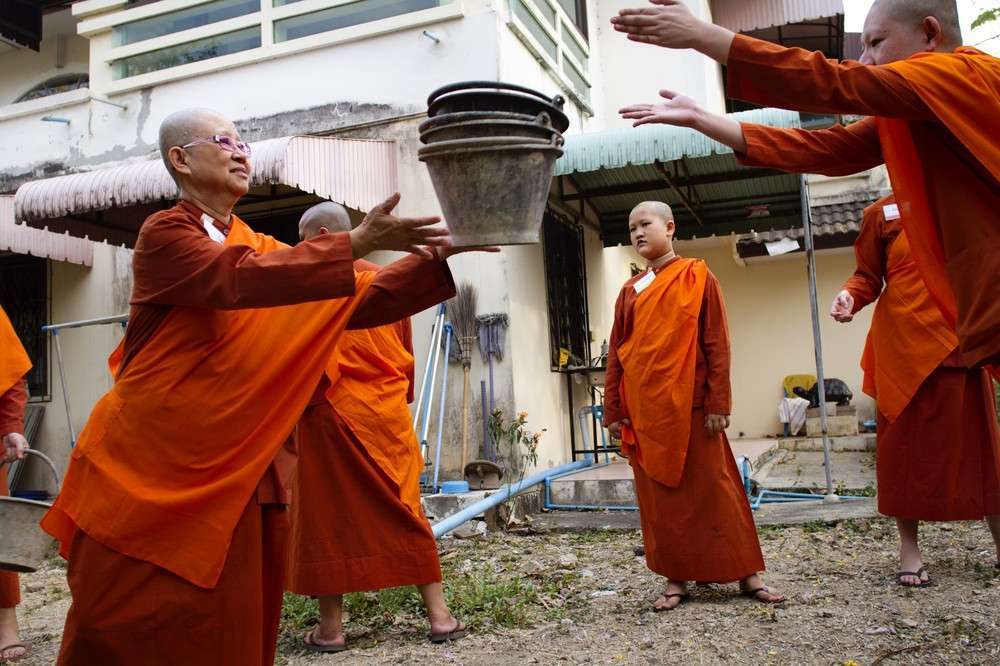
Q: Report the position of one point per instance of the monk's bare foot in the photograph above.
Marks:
(753, 587)
(13, 649)
(672, 597)
(317, 639)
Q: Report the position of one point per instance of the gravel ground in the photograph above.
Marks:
(585, 598)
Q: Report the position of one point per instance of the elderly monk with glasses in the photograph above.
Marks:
(173, 513)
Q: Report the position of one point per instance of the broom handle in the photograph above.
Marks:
(465, 419)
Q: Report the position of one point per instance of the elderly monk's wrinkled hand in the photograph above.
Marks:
(381, 230)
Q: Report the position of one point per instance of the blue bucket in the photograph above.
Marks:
(454, 487)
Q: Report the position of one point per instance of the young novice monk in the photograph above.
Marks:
(668, 398)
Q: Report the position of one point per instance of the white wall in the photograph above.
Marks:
(22, 69)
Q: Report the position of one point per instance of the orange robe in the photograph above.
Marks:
(935, 126)
(357, 524)
(668, 366)
(938, 443)
(14, 364)
(165, 486)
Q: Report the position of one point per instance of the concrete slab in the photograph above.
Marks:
(855, 443)
(797, 470)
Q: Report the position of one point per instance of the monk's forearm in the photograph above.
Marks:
(715, 41)
(838, 151)
(12, 404)
(402, 289)
(724, 130)
(773, 75)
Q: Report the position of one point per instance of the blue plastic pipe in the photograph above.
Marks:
(451, 522)
(444, 389)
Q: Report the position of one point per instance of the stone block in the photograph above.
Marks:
(837, 426)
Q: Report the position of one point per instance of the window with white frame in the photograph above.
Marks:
(154, 37)
(555, 32)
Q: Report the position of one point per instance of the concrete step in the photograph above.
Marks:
(804, 470)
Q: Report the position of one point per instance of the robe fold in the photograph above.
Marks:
(357, 523)
(225, 344)
(668, 366)
(934, 125)
(14, 364)
(938, 443)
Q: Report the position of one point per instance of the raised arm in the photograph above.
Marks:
(838, 151)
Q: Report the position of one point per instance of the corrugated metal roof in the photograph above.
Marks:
(828, 220)
(357, 173)
(618, 148)
(22, 239)
(747, 15)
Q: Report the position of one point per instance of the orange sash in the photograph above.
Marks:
(658, 369)
(14, 361)
(174, 451)
(909, 337)
(963, 91)
(372, 370)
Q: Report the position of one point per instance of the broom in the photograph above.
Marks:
(463, 318)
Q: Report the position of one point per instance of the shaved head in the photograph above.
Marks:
(657, 208)
(906, 27)
(182, 127)
(329, 215)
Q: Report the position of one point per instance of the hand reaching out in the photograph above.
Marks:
(381, 230)
(677, 109)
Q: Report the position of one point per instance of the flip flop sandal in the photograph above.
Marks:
(918, 574)
(12, 646)
(460, 631)
(641, 550)
(752, 594)
(308, 641)
(668, 597)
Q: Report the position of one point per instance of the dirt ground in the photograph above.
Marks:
(585, 598)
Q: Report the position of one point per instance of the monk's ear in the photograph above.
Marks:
(178, 160)
(933, 34)
(671, 228)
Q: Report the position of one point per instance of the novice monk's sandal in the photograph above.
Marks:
(755, 595)
(918, 574)
(668, 597)
(14, 646)
(309, 641)
(460, 631)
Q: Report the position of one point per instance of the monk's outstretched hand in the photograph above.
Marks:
(669, 23)
(381, 230)
(677, 109)
(716, 423)
(14, 446)
(843, 307)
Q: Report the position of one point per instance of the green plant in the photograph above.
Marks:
(986, 16)
(516, 449)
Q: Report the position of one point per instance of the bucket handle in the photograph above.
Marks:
(47, 460)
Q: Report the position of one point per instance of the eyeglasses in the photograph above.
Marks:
(227, 144)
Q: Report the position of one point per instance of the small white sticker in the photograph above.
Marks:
(213, 231)
(891, 212)
(646, 280)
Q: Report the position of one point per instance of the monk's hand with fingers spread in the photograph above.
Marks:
(843, 307)
(616, 428)
(716, 423)
(14, 446)
(676, 109)
(669, 23)
(381, 230)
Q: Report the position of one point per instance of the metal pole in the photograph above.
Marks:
(435, 331)
(113, 319)
(817, 337)
(430, 390)
(62, 381)
(444, 393)
(487, 447)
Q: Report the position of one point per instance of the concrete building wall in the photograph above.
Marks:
(22, 69)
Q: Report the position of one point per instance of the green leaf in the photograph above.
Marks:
(986, 16)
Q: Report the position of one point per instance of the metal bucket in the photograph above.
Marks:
(23, 544)
(491, 150)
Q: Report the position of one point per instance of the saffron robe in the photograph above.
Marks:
(935, 126)
(218, 369)
(938, 445)
(14, 364)
(668, 366)
(357, 523)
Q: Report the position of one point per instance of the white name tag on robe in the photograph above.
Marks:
(213, 231)
(891, 212)
(646, 280)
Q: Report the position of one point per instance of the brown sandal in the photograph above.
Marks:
(754, 594)
(460, 631)
(668, 597)
(918, 574)
(309, 641)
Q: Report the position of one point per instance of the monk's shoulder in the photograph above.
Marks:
(165, 226)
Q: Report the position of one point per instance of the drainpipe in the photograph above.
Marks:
(442, 527)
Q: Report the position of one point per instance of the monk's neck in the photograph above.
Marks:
(217, 210)
(660, 262)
